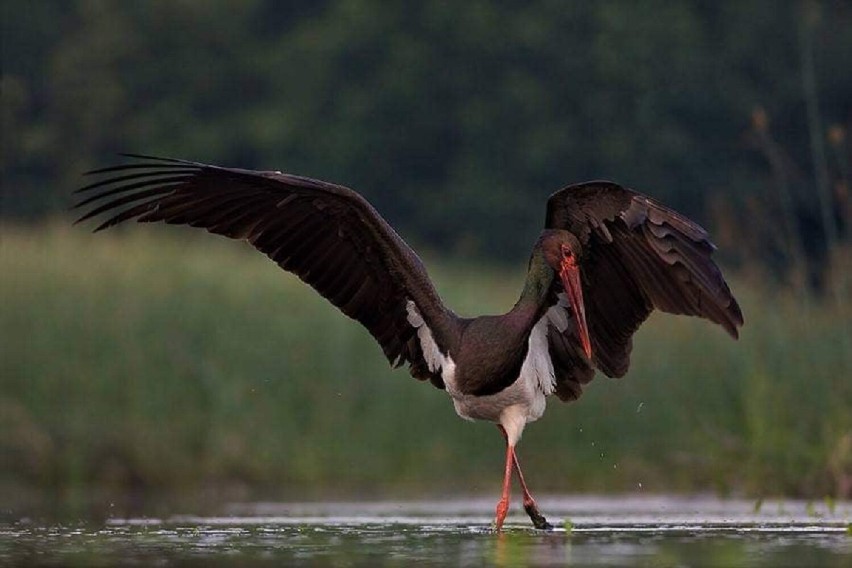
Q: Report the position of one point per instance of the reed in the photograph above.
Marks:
(169, 360)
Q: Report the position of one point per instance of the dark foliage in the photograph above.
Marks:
(452, 118)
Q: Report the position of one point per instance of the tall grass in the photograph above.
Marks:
(171, 360)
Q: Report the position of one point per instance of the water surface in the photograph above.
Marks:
(610, 531)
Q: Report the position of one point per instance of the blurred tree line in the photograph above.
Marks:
(454, 118)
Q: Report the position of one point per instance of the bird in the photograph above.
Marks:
(606, 258)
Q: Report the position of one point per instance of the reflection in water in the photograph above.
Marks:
(604, 532)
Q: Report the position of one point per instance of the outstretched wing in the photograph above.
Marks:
(326, 234)
(637, 255)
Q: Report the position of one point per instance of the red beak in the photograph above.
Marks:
(570, 275)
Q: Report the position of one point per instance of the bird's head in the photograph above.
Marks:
(564, 254)
(556, 244)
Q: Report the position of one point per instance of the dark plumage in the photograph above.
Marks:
(639, 255)
(607, 257)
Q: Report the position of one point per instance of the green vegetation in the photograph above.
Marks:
(168, 362)
(172, 360)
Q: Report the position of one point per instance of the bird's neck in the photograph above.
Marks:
(533, 301)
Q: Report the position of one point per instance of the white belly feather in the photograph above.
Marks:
(521, 402)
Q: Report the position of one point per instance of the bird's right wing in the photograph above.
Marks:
(326, 234)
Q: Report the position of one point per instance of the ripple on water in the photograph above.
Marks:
(603, 531)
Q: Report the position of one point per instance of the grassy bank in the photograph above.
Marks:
(171, 360)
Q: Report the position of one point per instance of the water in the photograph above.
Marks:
(610, 531)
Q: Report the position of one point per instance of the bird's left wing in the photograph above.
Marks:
(637, 255)
(326, 234)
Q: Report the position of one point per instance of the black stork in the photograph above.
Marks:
(606, 258)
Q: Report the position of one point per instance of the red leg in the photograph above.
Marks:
(530, 506)
(503, 504)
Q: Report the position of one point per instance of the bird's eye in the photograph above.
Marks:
(568, 255)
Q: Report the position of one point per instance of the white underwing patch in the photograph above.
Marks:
(436, 361)
(537, 368)
(557, 315)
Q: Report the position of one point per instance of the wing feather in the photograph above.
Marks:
(328, 235)
(638, 255)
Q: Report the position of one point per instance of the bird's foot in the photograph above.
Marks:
(502, 511)
(536, 517)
